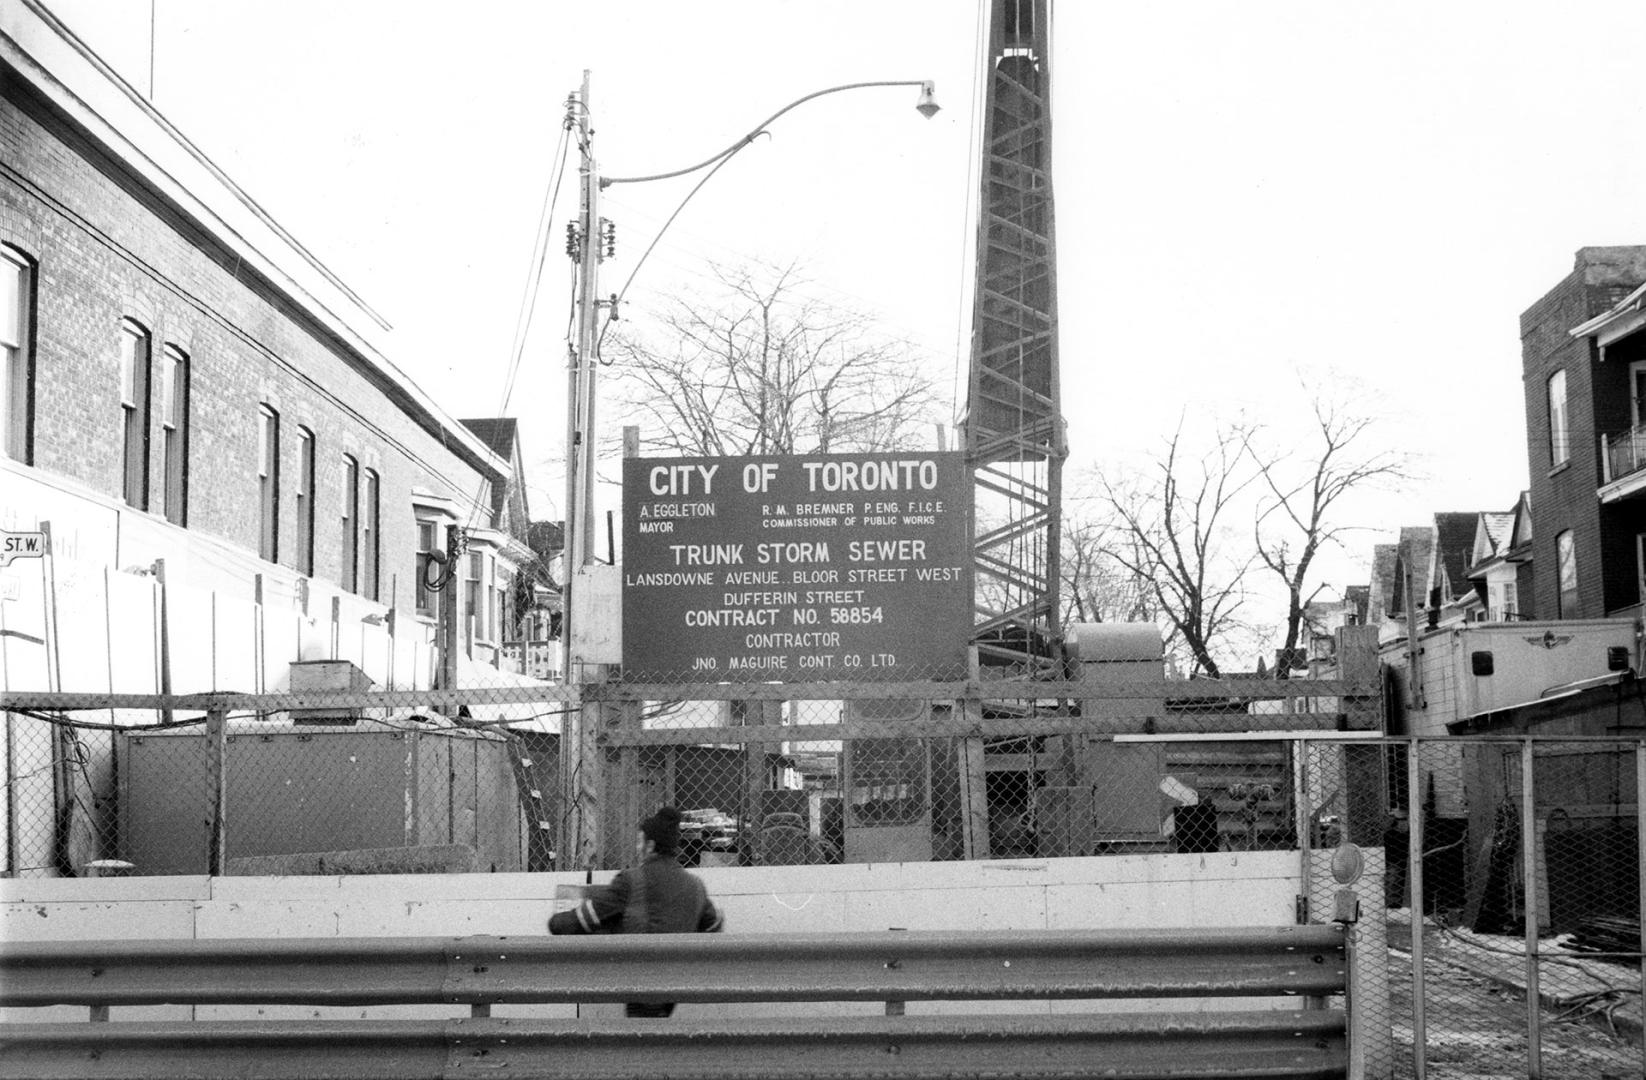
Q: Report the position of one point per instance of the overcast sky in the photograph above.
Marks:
(1362, 195)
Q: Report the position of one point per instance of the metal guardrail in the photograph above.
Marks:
(1267, 1044)
(1308, 962)
(911, 966)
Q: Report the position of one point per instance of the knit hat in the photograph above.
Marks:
(663, 829)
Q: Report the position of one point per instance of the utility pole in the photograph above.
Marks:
(577, 762)
(448, 611)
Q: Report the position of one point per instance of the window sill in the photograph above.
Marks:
(1562, 467)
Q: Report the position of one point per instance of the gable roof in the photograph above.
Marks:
(1520, 536)
(1416, 562)
(1497, 525)
(1493, 538)
(1454, 542)
(1357, 596)
(1382, 591)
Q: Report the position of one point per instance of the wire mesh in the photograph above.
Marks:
(516, 777)
(1520, 908)
(505, 774)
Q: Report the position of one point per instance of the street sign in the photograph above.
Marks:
(797, 567)
(21, 545)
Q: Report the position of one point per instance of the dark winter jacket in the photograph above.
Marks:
(657, 897)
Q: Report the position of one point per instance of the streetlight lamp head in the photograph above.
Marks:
(926, 106)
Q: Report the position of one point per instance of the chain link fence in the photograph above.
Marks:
(1499, 962)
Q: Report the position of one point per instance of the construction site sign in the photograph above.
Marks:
(797, 568)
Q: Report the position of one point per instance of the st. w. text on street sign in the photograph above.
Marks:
(797, 568)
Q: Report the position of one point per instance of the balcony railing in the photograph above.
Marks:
(1623, 452)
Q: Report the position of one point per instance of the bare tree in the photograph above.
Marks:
(1170, 530)
(1096, 587)
(761, 368)
(1294, 516)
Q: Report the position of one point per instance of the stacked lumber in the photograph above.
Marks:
(1607, 934)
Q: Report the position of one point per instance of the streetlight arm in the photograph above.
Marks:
(607, 181)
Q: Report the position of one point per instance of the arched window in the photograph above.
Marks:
(368, 537)
(174, 433)
(1559, 436)
(16, 353)
(1566, 575)
(349, 575)
(134, 412)
(303, 497)
(268, 483)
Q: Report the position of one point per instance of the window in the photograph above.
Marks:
(368, 538)
(174, 433)
(428, 539)
(1640, 568)
(1511, 601)
(268, 483)
(511, 624)
(472, 592)
(348, 576)
(134, 409)
(1559, 436)
(16, 353)
(1637, 393)
(304, 498)
(1566, 575)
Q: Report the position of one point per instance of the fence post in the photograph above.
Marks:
(1414, 886)
(974, 811)
(973, 769)
(1528, 845)
(1640, 867)
(216, 744)
(619, 798)
(165, 637)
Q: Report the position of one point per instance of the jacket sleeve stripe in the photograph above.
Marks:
(587, 918)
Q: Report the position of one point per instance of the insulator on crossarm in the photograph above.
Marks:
(608, 236)
(574, 246)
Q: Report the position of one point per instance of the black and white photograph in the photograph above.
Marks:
(1029, 538)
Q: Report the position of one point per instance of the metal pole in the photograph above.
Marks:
(1303, 812)
(10, 867)
(1528, 847)
(1414, 884)
(1640, 868)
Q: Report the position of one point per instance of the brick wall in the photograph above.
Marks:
(1564, 497)
(107, 248)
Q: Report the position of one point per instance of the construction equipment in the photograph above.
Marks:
(1014, 430)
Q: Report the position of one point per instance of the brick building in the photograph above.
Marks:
(1584, 369)
(205, 417)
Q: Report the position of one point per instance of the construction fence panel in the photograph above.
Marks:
(329, 771)
(1514, 931)
(1511, 865)
(894, 770)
